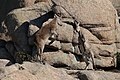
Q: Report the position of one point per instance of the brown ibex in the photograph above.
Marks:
(43, 35)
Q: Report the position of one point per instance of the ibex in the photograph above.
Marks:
(43, 35)
(85, 49)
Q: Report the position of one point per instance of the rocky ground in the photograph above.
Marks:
(99, 25)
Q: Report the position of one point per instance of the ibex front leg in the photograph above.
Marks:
(40, 52)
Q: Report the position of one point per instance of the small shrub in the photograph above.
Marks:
(21, 56)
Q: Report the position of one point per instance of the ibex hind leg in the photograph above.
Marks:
(93, 60)
(39, 59)
(86, 61)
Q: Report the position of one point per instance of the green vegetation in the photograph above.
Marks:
(21, 56)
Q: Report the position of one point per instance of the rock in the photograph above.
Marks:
(68, 47)
(2, 71)
(7, 8)
(10, 48)
(54, 45)
(31, 67)
(105, 53)
(76, 50)
(3, 62)
(111, 50)
(95, 15)
(36, 71)
(5, 51)
(20, 38)
(41, 1)
(31, 33)
(81, 66)
(64, 60)
(32, 29)
(105, 62)
(115, 3)
(6, 70)
(63, 14)
(94, 75)
(54, 74)
(31, 14)
(31, 2)
(2, 43)
(31, 40)
(4, 36)
(96, 26)
(65, 33)
(24, 75)
(17, 23)
(47, 22)
(89, 36)
(99, 49)
(11, 69)
(13, 50)
(28, 2)
(118, 36)
(4, 54)
(59, 59)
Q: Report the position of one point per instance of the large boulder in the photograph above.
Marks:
(98, 22)
(93, 15)
(65, 33)
(59, 58)
(95, 75)
(33, 13)
(34, 71)
(7, 6)
(17, 23)
(64, 60)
